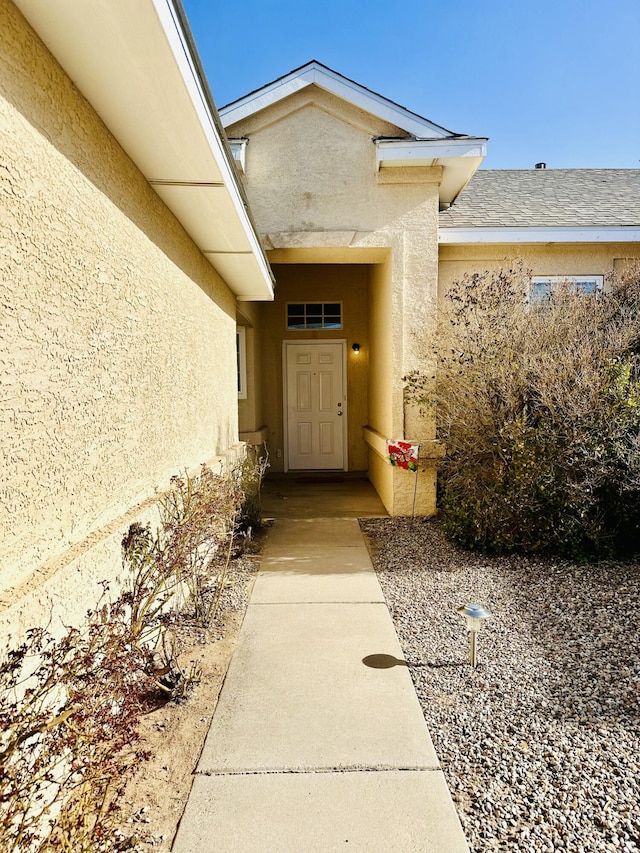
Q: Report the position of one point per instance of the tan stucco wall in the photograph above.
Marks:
(117, 355)
(548, 259)
(385, 399)
(250, 417)
(317, 198)
(311, 167)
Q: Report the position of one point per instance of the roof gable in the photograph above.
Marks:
(314, 98)
(315, 73)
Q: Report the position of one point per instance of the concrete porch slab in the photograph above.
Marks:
(319, 812)
(287, 497)
(302, 533)
(278, 709)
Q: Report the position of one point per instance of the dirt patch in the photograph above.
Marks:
(174, 732)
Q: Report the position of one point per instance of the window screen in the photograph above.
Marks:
(542, 286)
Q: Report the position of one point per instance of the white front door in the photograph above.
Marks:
(315, 405)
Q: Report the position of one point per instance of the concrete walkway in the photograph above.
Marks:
(311, 747)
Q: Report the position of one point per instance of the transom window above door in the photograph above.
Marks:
(314, 315)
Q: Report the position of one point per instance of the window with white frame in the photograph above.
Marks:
(543, 285)
(241, 359)
(314, 315)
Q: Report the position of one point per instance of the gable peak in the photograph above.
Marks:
(320, 75)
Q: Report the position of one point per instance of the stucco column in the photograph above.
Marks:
(407, 290)
(420, 299)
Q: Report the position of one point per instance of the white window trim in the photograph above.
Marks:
(596, 280)
(241, 349)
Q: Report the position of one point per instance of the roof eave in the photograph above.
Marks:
(137, 66)
(459, 157)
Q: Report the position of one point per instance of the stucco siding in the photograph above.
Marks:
(554, 259)
(312, 167)
(382, 387)
(116, 336)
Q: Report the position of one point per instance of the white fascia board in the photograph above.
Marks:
(336, 84)
(425, 152)
(167, 14)
(533, 234)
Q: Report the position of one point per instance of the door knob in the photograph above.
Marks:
(339, 414)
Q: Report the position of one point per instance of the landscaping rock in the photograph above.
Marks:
(540, 744)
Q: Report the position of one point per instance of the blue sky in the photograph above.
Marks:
(555, 81)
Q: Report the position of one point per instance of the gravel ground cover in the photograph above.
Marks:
(540, 743)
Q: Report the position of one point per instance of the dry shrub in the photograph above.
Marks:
(250, 474)
(69, 708)
(199, 519)
(539, 407)
(69, 712)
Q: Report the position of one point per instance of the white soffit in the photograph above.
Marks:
(235, 265)
(197, 207)
(460, 158)
(534, 234)
(314, 73)
(132, 61)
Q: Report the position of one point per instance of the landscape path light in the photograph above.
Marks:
(475, 616)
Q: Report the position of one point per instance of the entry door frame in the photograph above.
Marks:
(285, 393)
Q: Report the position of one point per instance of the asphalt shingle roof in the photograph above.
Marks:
(547, 197)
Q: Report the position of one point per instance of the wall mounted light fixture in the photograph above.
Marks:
(355, 348)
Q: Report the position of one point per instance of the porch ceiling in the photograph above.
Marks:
(135, 63)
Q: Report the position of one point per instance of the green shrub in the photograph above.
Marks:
(539, 408)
